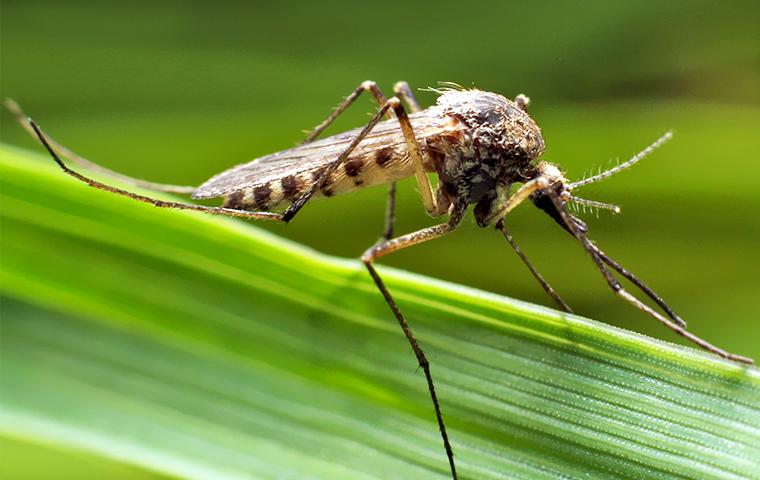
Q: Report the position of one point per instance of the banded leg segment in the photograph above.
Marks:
(230, 212)
(394, 245)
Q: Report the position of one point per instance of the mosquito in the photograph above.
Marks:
(478, 144)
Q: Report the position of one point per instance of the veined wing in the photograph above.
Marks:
(379, 158)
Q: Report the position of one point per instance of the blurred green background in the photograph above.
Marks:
(176, 91)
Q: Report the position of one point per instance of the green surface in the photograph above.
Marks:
(177, 91)
(202, 348)
(28, 460)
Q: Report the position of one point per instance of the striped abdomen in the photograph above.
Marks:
(364, 170)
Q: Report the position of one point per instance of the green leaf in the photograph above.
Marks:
(202, 347)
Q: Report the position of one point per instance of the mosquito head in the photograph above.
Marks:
(552, 173)
(559, 186)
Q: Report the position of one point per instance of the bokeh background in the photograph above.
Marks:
(176, 91)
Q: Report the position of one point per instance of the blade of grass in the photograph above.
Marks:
(205, 348)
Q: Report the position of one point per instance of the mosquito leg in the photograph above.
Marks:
(593, 250)
(299, 202)
(522, 194)
(64, 152)
(393, 245)
(390, 213)
(230, 212)
(402, 91)
(366, 86)
(413, 148)
(544, 284)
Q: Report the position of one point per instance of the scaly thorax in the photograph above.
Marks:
(494, 147)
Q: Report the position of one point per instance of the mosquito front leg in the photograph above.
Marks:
(64, 152)
(522, 194)
(641, 285)
(596, 256)
(503, 205)
(230, 212)
(394, 245)
(544, 284)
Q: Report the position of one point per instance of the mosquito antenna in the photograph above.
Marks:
(624, 165)
(594, 204)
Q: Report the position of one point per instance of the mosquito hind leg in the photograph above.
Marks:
(230, 212)
(393, 245)
(64, 152)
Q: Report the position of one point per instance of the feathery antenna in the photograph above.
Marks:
(624, 165)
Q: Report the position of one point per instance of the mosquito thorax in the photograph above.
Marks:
(495, 144)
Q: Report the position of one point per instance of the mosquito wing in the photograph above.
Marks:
(379, 158)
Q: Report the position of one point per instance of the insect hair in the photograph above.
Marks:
(444, 87)
(584, 202)
(627, 164)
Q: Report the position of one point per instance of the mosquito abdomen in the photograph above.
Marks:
(372, 168)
